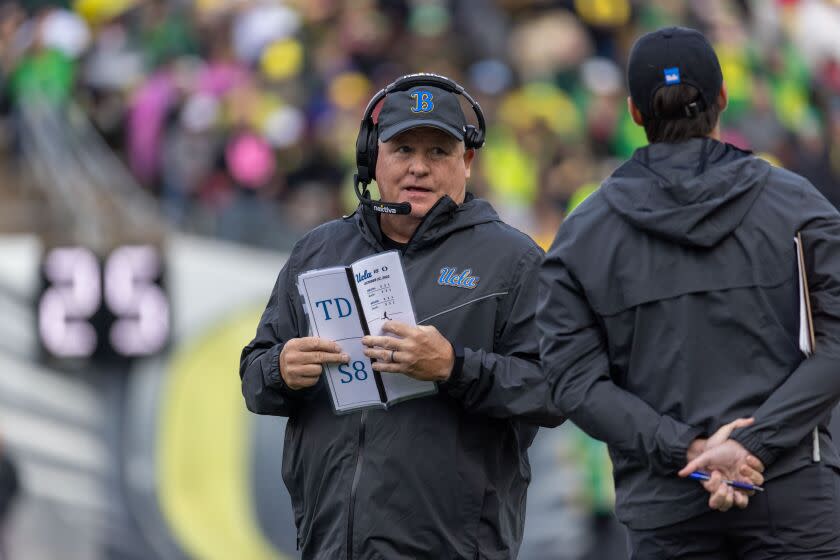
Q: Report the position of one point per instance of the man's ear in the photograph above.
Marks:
(634, 112)
(723, 97)
(469, 156)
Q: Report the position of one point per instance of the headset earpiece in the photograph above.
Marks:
(473, 137)
(366, 150)
(373, 150)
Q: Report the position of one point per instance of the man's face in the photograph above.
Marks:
(420, 166)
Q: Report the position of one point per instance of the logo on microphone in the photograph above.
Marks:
(384, 209)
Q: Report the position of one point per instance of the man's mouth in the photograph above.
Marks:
(417, 189)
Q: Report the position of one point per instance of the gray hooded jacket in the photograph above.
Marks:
(439, 477)
(669, 306)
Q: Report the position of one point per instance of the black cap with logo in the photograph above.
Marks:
(670, 56)
(421, 106)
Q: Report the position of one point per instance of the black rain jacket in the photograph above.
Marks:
(438, 477)
(669, 306)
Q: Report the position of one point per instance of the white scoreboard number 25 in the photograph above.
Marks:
(113, 306)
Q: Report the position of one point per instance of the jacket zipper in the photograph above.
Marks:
(357, 475)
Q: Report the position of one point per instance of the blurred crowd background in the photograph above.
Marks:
(239, 117)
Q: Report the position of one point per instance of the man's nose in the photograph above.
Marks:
(419, 166)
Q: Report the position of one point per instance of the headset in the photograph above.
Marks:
(367, 143)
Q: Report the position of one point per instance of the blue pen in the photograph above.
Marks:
(699, 475)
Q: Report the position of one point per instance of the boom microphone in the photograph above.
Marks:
(378, 205)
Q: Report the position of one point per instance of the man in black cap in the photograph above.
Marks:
(440, 477)
(668, 307)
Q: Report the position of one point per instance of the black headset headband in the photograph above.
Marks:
(426, 79)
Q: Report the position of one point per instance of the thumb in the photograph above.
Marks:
(726, 430)
(740, 423)
(396, 327)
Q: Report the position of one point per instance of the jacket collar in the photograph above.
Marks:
(445, 217)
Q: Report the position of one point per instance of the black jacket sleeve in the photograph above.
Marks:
(263, 387)
(813, 389)
(508, 381)
(574, 355)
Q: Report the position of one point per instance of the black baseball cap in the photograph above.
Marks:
(670, 56)
(421, 106)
